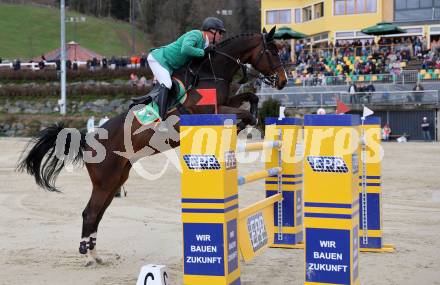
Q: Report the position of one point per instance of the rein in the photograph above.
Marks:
(264, 53)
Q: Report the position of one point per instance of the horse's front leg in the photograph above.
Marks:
(243, 115)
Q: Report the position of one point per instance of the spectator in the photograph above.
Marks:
(284, 55)
(426, 129)
(113, 62)
(352, 91)
(17, 64)
(41, 65)
(370, 89)
(298, 49)
(75, 65)
(68, 64)
(386, 131)
(361, 89)
(104, 63)
(94, 63)
(143, 60)
(418, 92)
(424, 44)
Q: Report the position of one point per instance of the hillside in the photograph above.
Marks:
(29, 31)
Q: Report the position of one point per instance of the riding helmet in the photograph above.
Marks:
(213, 23)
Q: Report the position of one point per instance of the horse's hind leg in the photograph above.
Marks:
(93, 253)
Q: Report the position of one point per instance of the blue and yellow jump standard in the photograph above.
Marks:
(331, 199)
(209, 200)
(288, 218)
(370, 234)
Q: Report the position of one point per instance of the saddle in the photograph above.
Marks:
(146, 108)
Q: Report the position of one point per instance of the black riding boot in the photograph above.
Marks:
(146, 99)
(162, 102)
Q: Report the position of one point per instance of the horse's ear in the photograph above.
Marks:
(271, 33)
(264, 31)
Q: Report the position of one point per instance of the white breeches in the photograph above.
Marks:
(160, 73)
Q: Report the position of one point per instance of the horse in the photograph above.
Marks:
(127, 140)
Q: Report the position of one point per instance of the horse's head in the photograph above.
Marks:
(266, 60)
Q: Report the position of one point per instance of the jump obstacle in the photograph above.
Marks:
(370, 189)
(215, 231)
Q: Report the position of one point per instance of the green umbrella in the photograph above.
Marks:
(287, 33)
(383, 29)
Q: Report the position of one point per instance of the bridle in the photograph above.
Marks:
(273, 78)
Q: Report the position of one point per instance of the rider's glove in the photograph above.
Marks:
(210, 49)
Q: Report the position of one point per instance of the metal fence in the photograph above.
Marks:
(329, 99)
(406, 77)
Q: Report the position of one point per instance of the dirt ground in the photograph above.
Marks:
(40, 231)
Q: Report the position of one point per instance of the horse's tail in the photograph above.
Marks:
(43, 159)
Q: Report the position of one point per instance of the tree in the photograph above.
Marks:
(165, 20)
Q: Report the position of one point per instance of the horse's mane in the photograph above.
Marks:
(229, 40)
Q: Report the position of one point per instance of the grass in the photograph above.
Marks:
(28, 31)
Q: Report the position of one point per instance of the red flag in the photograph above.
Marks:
(209, 97)
(341, 107)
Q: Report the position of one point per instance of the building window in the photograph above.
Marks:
(415, 4)
(425, 3)
(339, 7)
(416, 10)
(307, 13)
(349, 7)
(278, 17)
(298, 15)
(318, 10)
(360, 5)
(349, 35)
(371, 6)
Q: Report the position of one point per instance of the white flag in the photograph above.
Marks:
(282, 115)
(367, 112)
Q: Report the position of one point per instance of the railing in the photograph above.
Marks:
(52, 65)
(329, 99)
(359, 50)
(406, 77)
(347, 80)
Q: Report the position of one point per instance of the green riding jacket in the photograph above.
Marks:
(180, 52)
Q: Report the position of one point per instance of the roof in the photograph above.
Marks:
(74, 51)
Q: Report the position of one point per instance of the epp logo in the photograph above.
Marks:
(201, 162)
(332, 164)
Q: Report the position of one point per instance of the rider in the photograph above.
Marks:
(165, 60)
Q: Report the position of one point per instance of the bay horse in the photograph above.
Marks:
(128, 140)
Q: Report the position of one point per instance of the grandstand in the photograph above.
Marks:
(398, 75)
